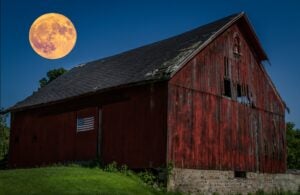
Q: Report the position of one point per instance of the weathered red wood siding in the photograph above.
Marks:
(209, 131)
(40, 139)
(133, 129)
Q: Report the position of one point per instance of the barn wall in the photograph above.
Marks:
(133, 129)
(38, 138)
(209, 131)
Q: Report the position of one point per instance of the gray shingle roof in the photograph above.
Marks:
(156, 61)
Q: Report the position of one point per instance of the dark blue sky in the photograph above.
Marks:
(108, 27)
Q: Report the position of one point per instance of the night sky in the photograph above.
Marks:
(107, 28)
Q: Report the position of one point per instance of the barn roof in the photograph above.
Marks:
(156, 61)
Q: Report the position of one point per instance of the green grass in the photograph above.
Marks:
(70, 180)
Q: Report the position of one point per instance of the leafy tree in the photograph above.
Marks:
(293, 146)
(51, 75)
(4, 137)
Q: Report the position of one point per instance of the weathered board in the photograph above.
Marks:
(133, 129)
(207, 130)
(39, 139)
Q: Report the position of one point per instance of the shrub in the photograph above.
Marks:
(4, 141)
(124, 169)
(293, 146)
(112, 167)
(147, 177)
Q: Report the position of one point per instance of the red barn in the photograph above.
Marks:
(201, 100)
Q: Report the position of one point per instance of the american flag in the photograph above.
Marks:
(85, 124)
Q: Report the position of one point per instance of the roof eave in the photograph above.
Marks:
(258, 46)
(12, 109)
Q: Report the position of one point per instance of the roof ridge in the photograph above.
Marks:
(166, 39)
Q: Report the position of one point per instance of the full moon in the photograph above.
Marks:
(52, 36)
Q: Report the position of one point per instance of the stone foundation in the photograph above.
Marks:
(194, 181)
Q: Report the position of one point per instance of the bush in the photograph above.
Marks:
(164, 173)
(124, 169)
(4, 138)
(148, 178)
(112, 167)
(293, 146)
(276, 192)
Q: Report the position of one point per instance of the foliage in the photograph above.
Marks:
(293, 146)
(276, 192)
(70, 180)
(112, 167)
(51, 75)
(4, 138)
(169, 169)
(158, 177)
(148, 178)
(164, 173)
(124, 169)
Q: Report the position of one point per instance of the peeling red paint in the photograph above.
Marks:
(133, 129)
(209, 131)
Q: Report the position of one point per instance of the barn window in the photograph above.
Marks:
(240, 174)
(85, 123)
(227, 82)
(227, 88)
(238, 90)
(226, 67)
(242, 94)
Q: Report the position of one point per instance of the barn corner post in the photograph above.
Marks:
(169, 160)
(285, 149)
(99, 134)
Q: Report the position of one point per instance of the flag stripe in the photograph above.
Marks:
(85, 124)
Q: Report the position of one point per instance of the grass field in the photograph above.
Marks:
(70, 180)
